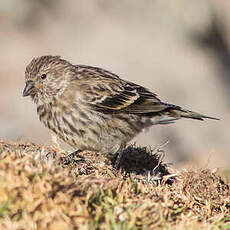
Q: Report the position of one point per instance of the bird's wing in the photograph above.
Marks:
(105, 91)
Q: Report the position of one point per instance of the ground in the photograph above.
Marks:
(41, 188)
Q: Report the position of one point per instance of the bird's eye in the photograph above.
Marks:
(43, 76)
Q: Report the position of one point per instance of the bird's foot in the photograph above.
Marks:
(72, 158)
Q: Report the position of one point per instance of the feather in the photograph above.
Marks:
(109, 93)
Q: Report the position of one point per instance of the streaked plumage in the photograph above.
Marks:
(93, 109)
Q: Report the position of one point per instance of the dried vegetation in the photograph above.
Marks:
(40, 190)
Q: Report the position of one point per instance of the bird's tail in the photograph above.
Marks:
(179, 112)
(194, 115)
(171, 113)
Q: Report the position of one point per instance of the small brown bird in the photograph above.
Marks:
(93, 109)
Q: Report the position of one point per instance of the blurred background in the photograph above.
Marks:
(180, 51)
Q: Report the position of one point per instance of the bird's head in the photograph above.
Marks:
(46, 78)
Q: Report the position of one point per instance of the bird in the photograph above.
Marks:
(93, 109)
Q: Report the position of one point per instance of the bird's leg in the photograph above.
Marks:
(71, 157)
(118, 160)
(56, 144)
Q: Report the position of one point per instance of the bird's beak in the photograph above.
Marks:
(28, 88)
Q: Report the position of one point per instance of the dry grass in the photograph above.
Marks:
(38, 191)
